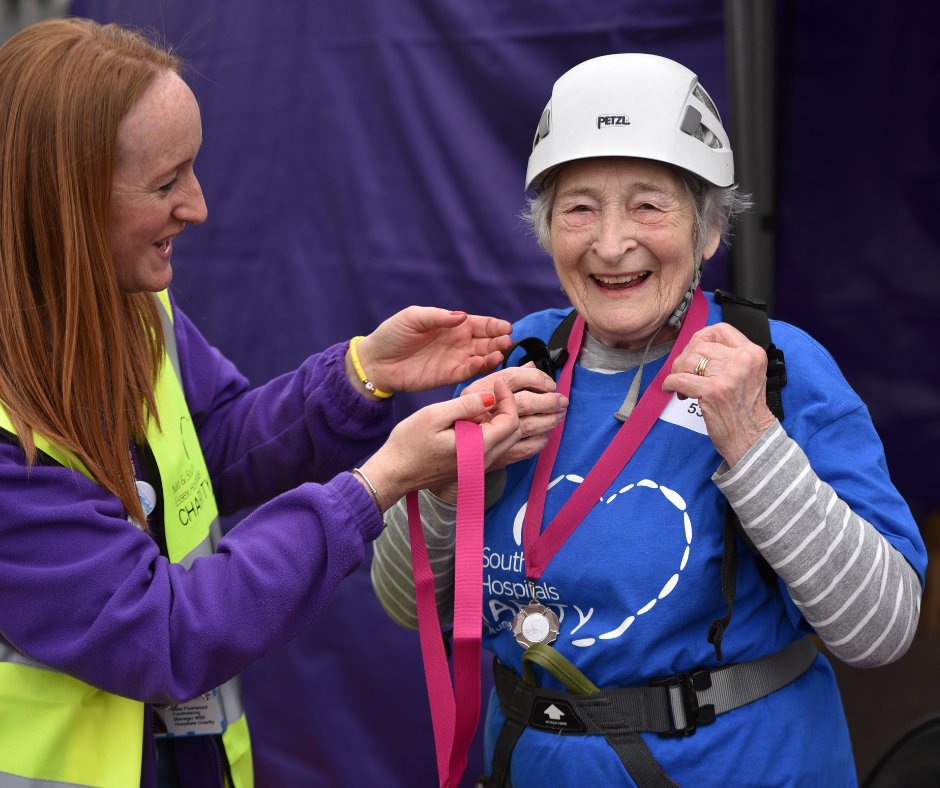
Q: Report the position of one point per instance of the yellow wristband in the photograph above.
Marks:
(357, 365)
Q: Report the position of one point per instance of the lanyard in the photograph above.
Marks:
(455, 709)
(540, 548)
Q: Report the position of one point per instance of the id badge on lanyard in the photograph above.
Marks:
(201, 716)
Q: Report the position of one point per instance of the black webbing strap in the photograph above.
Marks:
(599, 714)
(505, 743)
(606, 719)
(749, 316)
(729, 581)
(549, 357)
(671, 706)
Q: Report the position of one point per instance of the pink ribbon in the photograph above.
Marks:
(455, 709)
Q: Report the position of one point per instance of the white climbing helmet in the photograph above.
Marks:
(636, 105)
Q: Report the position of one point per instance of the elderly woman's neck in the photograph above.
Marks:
(598, 357)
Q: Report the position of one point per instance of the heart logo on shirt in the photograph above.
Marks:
(676, 501)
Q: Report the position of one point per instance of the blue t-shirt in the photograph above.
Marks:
(639, 581)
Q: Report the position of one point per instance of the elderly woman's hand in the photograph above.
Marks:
(423, 347)
(540, 409)
(421, 450)
(730, 387)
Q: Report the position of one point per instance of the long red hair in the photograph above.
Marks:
(78, 357)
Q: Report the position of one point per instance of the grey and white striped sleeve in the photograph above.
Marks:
(853, 587)
(392, 578)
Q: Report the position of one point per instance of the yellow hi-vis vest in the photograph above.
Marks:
(58, 731)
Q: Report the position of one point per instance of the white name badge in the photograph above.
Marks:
(147, 496)
(148, 501)
(684, 413)
(200, 716)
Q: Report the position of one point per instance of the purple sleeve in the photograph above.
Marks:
(86, 593)
(306, 425)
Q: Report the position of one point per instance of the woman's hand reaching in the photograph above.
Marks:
(539, 408)
(423, 347)
(421, 450)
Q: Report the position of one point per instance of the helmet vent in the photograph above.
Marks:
(699, 92)
(693, 126)
(544, 127)
(706, 135)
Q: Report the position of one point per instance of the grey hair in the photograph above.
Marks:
(715, 208)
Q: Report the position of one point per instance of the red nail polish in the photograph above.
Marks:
(488, 399)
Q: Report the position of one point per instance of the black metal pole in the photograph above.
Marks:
(749, 38)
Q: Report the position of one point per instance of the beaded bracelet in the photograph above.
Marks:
(357, 365)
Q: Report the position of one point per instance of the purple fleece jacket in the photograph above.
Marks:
(88, 594)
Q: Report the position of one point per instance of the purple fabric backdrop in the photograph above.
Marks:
(366, 155)
(859, 244)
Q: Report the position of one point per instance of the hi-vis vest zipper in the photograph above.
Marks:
(58, 731)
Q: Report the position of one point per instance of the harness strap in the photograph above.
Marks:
(729, 580)
(630, 748)
(671, 706)
(548, 358)
(749, 316)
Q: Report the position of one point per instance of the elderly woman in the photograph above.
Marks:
(124, 619)
(616, 544)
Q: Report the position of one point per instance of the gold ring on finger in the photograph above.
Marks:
(700, 367)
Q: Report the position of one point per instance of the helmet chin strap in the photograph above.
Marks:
(675, 319)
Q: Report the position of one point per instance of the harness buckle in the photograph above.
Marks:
(688, 684)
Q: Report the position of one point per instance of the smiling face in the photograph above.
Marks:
(621, 236)
(154, 191)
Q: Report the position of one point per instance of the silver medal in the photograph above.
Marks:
(534, 623)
